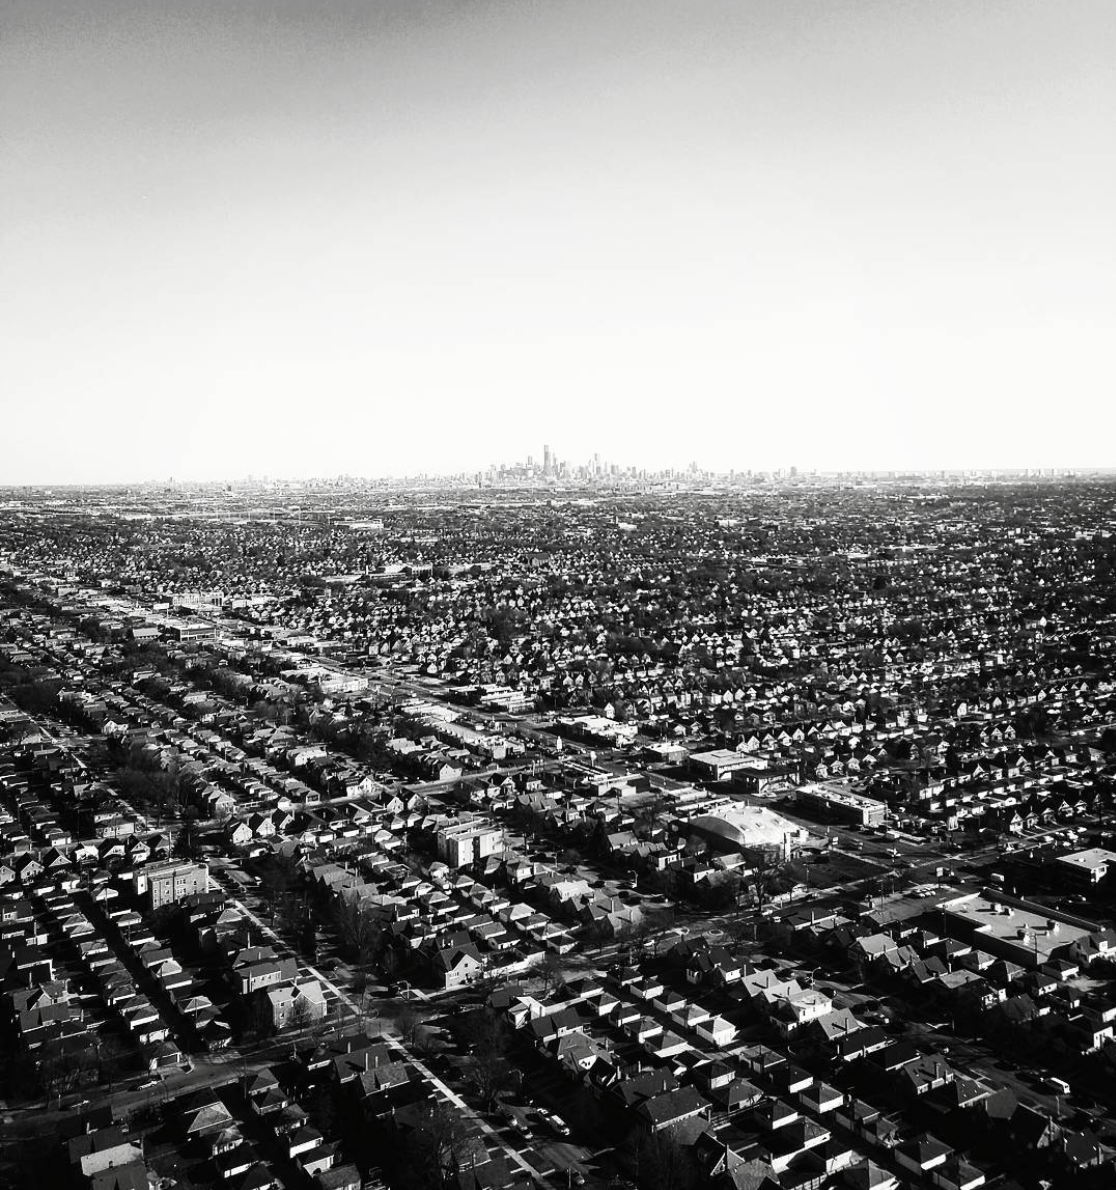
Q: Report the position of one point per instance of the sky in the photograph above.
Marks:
(384, 237)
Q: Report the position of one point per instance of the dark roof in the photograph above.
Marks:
(96, 1142)
(925, 1148)
(123, 1177)
(644, 1085)
(673, 1105)
(1001, 1104)
(895, 1055)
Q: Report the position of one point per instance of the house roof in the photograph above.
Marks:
(672, 1105)
(122, 1177)
(867, 1175)
(925, 1148)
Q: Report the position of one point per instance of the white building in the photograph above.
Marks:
(464, 842)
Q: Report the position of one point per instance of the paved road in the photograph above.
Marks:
(395, 1041)
(208, 1071)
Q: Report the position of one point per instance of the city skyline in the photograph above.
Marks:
(552, 468)
(387, 238)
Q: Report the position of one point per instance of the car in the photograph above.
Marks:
(511, 1120)
(555, 1121)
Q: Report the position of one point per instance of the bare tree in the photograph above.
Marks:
(551, 973)
(660, 1162)
(489, 1073)
(439, 1146)
(407, 1022)
(300, 1015)
(359, 930)
(389, 963)
(422, 1041)
(768, 864)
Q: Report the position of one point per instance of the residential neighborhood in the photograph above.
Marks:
(749, 837)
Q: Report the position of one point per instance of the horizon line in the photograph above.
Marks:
(543, 481)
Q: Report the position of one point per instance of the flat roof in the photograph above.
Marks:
(1008, 920)
(719, 756)
(473, 827)
(844, 797)
(1091, 857)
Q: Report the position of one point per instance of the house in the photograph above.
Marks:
(103, 1149)
(303, 1140)
(833, 1027)
(255, 976)
(801, 1136)
(297, 1004)
(1032, 1129)
(867, 1175)
(671, 1108)
(205, 1114)
(922, 1154)
(456, 966)
(340, 1177)
(715, 966)
(243, 1162)
(957, 1174)
(352, 1058)
(578, 1051)
(717, 1031)
(238, 832)
(735, 1096)
(1080, 1150)
(791, 1079)
(794, 1009)
(257, 1088)
(821, 1098)
(121, 1177)
(319, 1157)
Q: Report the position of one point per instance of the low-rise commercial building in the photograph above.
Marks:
(718, 764)
(1089, 867)
(838, 802)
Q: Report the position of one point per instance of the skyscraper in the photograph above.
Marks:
(547, 462)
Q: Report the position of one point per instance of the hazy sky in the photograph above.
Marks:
(382, 237)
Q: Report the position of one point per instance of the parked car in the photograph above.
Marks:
(555, 1121)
